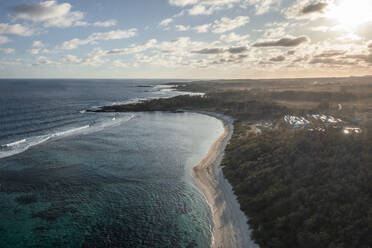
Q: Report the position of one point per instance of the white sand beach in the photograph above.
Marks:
(230, 228)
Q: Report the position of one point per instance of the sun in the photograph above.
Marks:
(352, 13)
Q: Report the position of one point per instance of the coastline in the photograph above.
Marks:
(229, 223)
(230, 227)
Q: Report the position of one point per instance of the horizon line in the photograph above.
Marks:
(194, 79)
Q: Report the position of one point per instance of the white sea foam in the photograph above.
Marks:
(165, 86)
(15, 143)
(134, 100)
(167, 90)
(70, 131)
(193, 93)
(20, 146)
(116, 121)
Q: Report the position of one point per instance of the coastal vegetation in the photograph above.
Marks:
(302, 188)
(238, 104)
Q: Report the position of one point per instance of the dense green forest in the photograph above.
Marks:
(302, 188)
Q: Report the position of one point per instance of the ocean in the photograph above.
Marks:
(71, 178)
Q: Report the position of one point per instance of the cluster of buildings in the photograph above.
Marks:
(319, 122)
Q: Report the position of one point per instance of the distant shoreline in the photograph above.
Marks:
(230, 228)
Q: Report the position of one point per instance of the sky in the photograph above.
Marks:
(189, 39)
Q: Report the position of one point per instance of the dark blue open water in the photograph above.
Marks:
(74, 179)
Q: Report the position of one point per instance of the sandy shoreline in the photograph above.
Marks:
(230, 228)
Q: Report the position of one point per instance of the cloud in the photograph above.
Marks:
(175, 53)
(120, 64)
(202, 28)
(301, 59)
(78, 23)
(209, 51)
(71, 59)
(349, 37)
(208, 7)
(181, 47)
(233, 37)
(94, 58)
(34, 51)
(16, 29)
(41, 11)
(284, 42)
(226, 24)
(182, 51)
(72, 19)
(182, 3)
(278, 58)
(179, 14)
(330, 61)
(232, 59)
(275, 29)
(314, 7)
(232, 50)
(201, 10)
(261, 6)
(44, 61)
(235, 50)
(325, 29)
(112, 35)
(4, 39)
(105, 24)
(367, 58)
(7, 51)
(37, 43)
(165, 22)
(182, 28)
(11, 62)
(307, 9)
(223, 25)
(49, 12)
(135, 48)
(53, 14)
(37, 47)
(330, 53)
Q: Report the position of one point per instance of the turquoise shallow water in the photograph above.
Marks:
(127, 185)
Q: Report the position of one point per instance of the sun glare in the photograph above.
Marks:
(352, 13)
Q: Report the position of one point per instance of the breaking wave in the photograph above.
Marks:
(22, 145)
